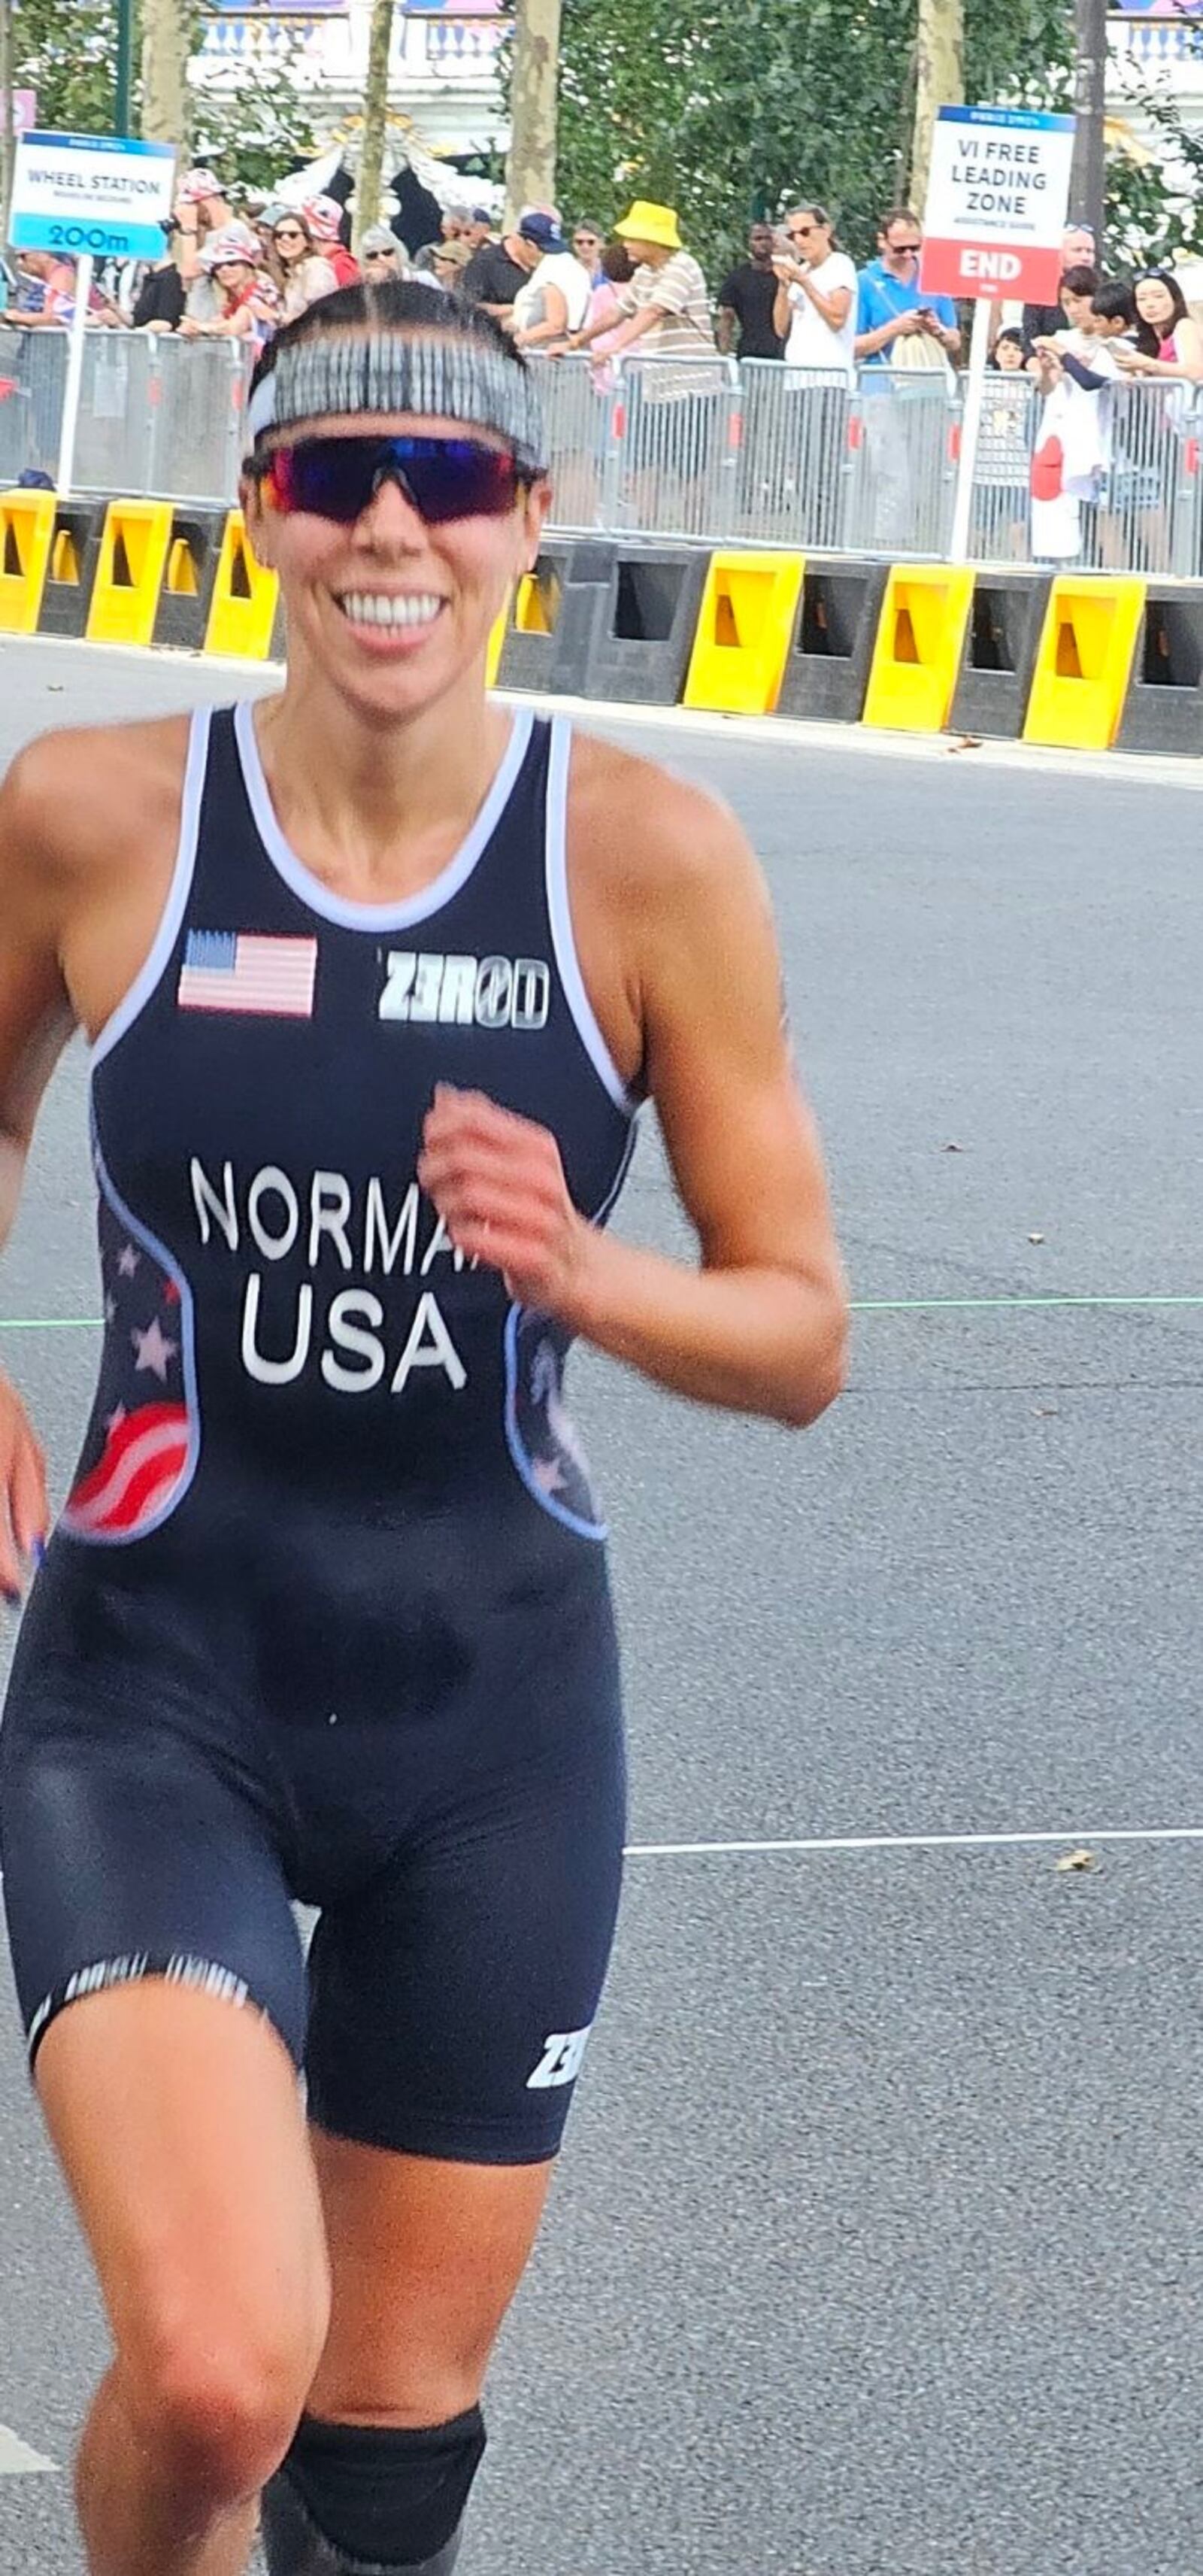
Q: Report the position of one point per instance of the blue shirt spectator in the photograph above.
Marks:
(891, 305)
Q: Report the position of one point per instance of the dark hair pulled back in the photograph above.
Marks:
(818, 215)
(385, 304)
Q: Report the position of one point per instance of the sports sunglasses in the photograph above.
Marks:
(338, 478)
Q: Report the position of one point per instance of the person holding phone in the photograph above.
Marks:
(907, 344)
(815, 312)
(815, 308)
(891, 305)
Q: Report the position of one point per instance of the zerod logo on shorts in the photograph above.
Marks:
(465, 992)
(561, 2059)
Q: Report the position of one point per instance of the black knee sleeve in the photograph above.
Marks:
(366, 2500)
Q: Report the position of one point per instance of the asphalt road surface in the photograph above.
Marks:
(875, 2250)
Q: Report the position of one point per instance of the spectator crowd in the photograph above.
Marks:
(1061, 463)
(796, 297)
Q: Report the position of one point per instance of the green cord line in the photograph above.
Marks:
(50, 1323)
(860, 1306)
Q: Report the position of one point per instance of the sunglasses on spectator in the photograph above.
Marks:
(585, 241)
(338, 478)
(379, 254)
(800, 232)
(288, 233)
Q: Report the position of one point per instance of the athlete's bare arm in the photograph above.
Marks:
(679, 954)
(86, 839)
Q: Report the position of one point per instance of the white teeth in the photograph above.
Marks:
(384, 608)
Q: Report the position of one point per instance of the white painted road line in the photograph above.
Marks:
(18, 2461)
(921, 1842)
(1074, 1838)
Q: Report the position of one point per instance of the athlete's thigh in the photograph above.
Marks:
(451, 2000)
(450, 2009)
(425, 2257)
(177, 2118)
(162, 1986)
(137, 1841)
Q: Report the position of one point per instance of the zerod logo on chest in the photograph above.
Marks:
(465, 992)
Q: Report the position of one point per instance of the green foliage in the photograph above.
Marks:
(1156, 208)
(66, 50)
(727, 107)
(726, 110)
(1020, 51)
(258, 131)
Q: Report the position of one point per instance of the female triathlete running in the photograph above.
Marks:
(374, 973)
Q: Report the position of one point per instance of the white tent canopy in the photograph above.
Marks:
(453, 192)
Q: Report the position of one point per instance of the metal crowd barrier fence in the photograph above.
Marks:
(157, 416)
(1139, 507)
(754, 454)
(766, 455)
(701, 450)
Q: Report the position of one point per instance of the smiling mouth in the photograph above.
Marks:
(392, 610)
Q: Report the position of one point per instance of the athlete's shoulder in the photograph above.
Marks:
(659, 839)
(71, 799)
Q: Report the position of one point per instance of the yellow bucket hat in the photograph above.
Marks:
(650, 223)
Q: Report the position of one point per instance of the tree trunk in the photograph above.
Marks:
(165, 49)
(530, 170)
(939, 81)
(6, 115)
(1088, 184)
(375, 119)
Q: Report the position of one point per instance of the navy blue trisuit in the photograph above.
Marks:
(326, 1616)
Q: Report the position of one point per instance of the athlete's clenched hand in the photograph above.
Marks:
(23, 1507)
(499, 1187)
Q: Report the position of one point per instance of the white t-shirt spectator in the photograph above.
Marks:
(812, 342)
(557, 268)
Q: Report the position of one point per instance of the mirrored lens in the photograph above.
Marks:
(445, 478)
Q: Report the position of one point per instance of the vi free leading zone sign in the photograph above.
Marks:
(996, 203)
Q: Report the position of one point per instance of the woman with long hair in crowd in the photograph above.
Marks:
(373, 992)
(298, 269)
(1168, 342)
(249, 302)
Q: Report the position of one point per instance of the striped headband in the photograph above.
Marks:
(439, 375)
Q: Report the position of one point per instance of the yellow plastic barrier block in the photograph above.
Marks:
(918, 651)
(129, 575)
(537, 603)
(245, 598)
(181, 581)
(1085, 660)
(26, 537)
(497, 636)
(744, 629)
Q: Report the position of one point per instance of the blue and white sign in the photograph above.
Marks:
(91, 195)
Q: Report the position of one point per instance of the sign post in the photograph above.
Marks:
(88, 197)
(996, 206)
(75, 375)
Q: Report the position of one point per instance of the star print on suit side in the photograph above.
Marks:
(143, 1447)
